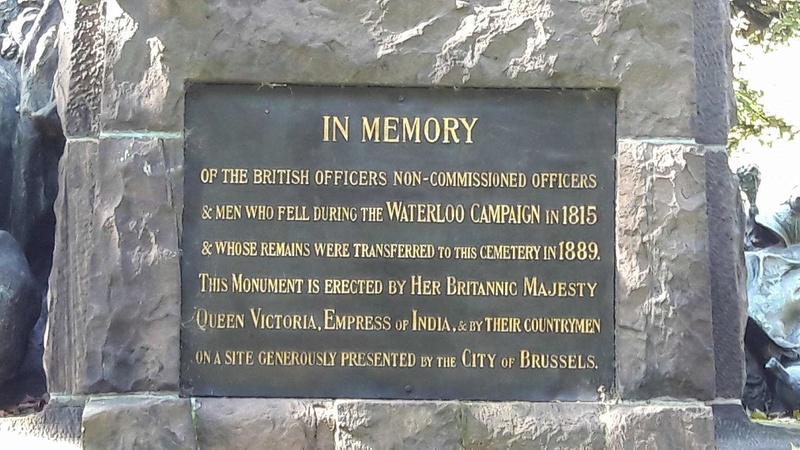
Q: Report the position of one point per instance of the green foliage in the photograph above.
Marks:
(754, 121)
(765, 24)
(758, 415)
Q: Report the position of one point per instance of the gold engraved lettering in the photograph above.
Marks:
(329, 133)
(212, 283)
(332, 249)
(478, 179)
(326, 128)
(554, 325)
(259, 212)
(371, 213)
(406, 178)
(327, 177)
(292, 213)
(421, 286)
(411, 130)
(370, 131)
(534, 288)
(580, 251)
(572, 215)
(218, 321)
(510, 252)
(335, 214)
(278, 177)
(448, 362)
(239, 358)
(468, 126)
(203, 357)
(502, 324)
(236, 248)
(561, 325)
(477, 360)
(475, 288)
(432, 130)
(389, 127)
(336, 286)
(399, 211)
(377, 359)
(334, 321)
(392, 129)
(228, 212)
(393, 250)
(564, 251)
(450, 125)
(429, 323)
(505, 214)
(266, 285)
(557, 180)
(529, 360)
(285, 249)
(465, 252)
(291, 358)
(266, 321)
(234, 176)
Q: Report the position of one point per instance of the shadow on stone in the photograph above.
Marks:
(735, 431)
(31, 144)
(20, 305)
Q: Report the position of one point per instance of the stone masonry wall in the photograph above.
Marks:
(113, 339)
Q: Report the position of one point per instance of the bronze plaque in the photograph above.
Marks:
(410, 243)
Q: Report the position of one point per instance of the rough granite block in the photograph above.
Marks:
(79, 80)
(115, 301)
(664, 336)
(398, 425)
(132, 422)
(57, 427)
(728, 274)
(534, 426)
(659, 427)
(225, 423)
(644, 49)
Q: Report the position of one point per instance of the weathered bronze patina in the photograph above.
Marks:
(398, 242)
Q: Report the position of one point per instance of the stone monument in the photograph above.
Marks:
(31, 143)
(247, 188)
